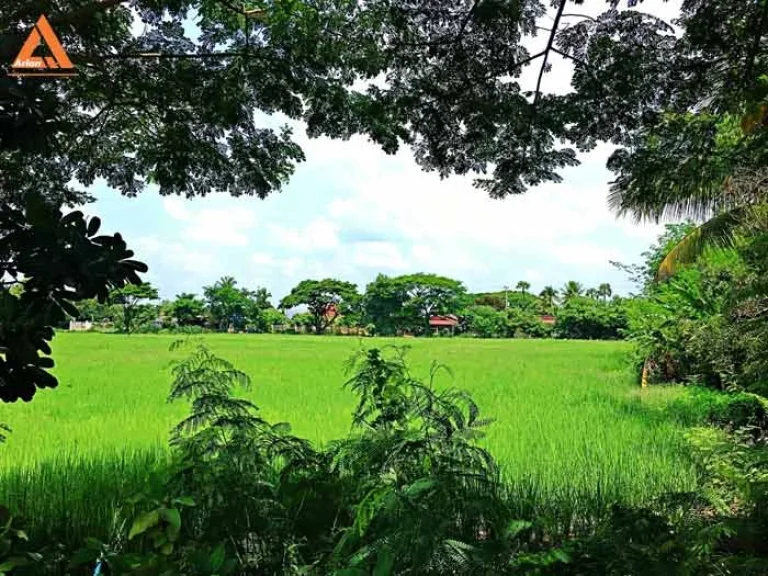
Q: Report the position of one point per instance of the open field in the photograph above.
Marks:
(573, 431)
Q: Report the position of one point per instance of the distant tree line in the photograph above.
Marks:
(389, 306)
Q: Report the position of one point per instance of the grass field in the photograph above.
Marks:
(573, 431)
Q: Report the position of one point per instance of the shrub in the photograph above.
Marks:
(589, 319)
(485, 322)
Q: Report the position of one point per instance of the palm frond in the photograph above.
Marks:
(715, 232)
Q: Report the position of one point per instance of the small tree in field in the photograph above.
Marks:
(325, 299)
(187, 308)
(130, 299)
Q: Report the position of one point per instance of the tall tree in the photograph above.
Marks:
(604, 291)
(233, 307)
(130, 299)
(326, 300)
(430, 294)
(523, 286)
(186, 308)
(548, 297)
(571, 290)
(383, 304)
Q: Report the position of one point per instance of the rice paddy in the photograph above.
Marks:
(573, 431)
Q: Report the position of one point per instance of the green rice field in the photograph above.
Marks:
(573, 430)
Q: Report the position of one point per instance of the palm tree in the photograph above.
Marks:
(722, 202)
(523, 286)
(571, 289)
(548, 298)
(604, 291)
(592, 293)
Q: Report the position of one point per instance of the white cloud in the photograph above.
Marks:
(162, 255)
(532, 275)
(262, 259)
(587, 254)
(220, 226)
(320, 234)
(378, 255)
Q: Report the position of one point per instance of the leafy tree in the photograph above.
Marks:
(485, 321)
(495, 300)
(62, 260)
(428, 295)
(130, 300)
(523, 286)
(592, 293)
(383, 304)
(187, 309)
(585, 318)
(571, 290)
(604, 291)
(96, 311)
(273, 317)
(320, 296)
(230, 306)
(548, 297)
(526, 323)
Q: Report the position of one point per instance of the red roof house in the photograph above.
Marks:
(547, 319)
(440, 322)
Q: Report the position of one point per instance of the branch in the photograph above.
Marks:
(550, 43)
(570, 57)
(580, 16)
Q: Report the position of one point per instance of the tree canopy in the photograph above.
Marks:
(326, 300)
(129, 299)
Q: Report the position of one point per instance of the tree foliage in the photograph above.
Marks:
(186, 309)
(233, 307)
(62, 260)
(326, 300)
(130, 299)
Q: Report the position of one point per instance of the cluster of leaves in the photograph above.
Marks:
(703, 323)
(61, 259)
(487, 322)
(589, 319)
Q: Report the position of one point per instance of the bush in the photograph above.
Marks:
(584, 318)
(485, 322)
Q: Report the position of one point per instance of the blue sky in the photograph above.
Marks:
(350, 211)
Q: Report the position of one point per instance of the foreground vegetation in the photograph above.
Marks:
(572, 432)
(408, 486)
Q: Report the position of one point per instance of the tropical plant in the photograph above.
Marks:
(585, 318)
(548, 297)
(485, 321)
(523, 286)
(187, 309)
(604, 291)
(571, 290)
(233, 307)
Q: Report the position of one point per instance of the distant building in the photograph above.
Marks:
(547, 319)
(76, 326)
(448, 322)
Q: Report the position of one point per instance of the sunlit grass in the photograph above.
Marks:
(573, 431)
